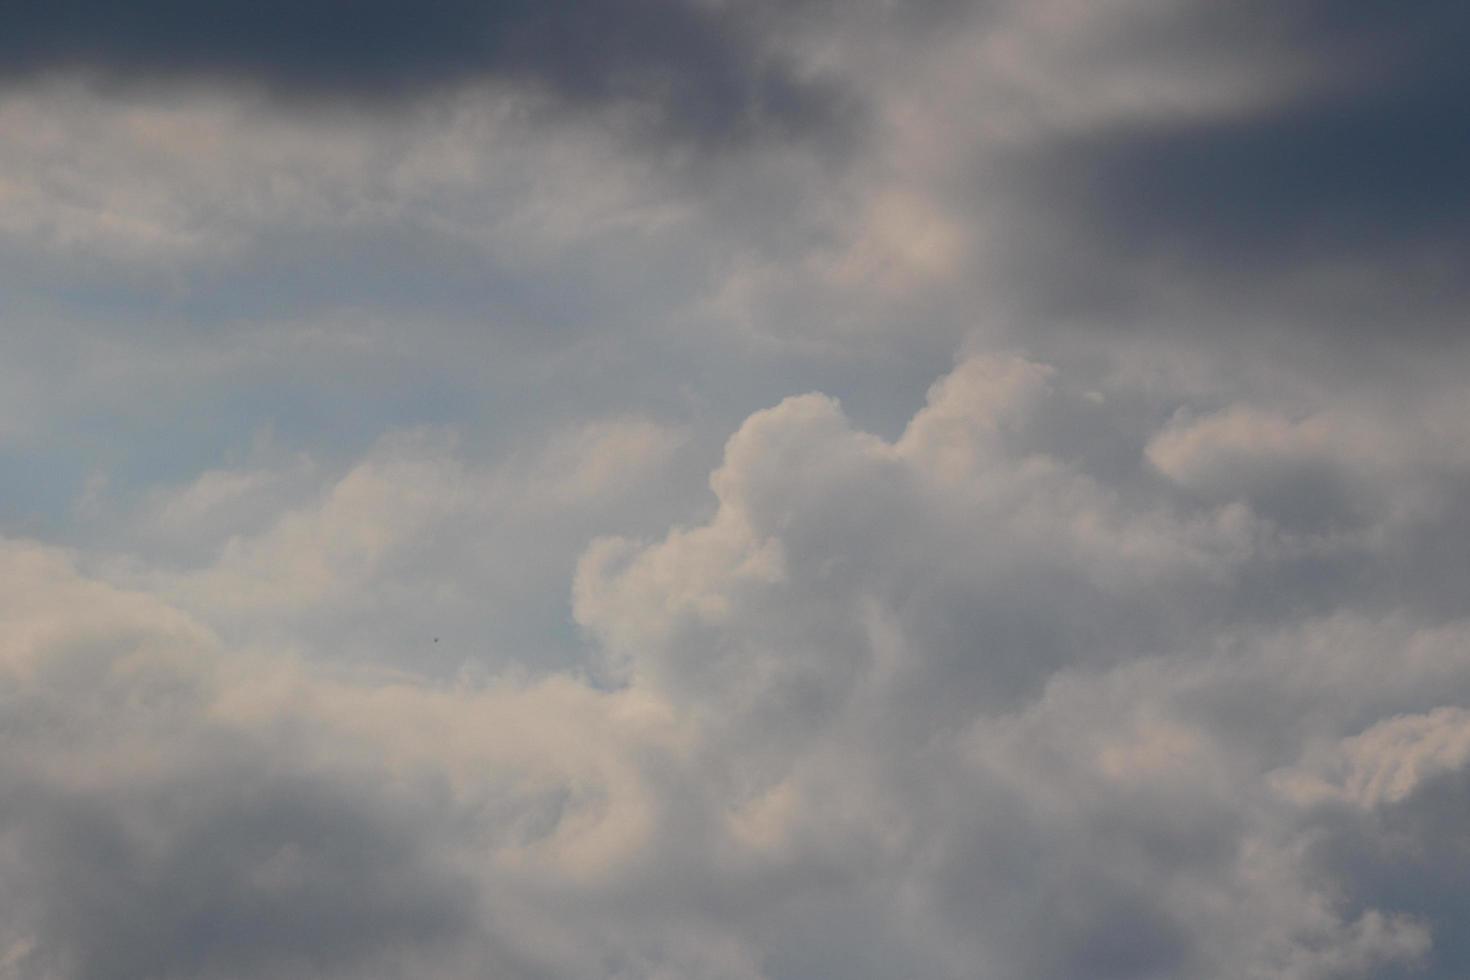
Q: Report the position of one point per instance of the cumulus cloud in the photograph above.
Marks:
(935, 705)
(1076, 786)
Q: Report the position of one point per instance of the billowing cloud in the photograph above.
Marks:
(937, 705)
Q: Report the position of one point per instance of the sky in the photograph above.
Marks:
(734, 490)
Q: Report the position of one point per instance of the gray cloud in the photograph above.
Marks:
(142, 838)
(701, 68)
(1333, 204)
(913, 646)
(403, 617)
(260, 873)
(946, 701)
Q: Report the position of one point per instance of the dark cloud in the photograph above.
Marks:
(703, 70)
(238, 869)
(1338, 200)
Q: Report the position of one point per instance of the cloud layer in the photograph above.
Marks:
(733, 491)
(701, 69)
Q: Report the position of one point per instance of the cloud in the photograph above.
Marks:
(701, 70)
(380, 619)
(177, 808)
(944, 700)
(970, 670)
(411, 545)
(141, 838)
(1389, 762)
(1328, 204)
(1320, 471)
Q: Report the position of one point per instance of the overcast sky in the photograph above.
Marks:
(734, 490)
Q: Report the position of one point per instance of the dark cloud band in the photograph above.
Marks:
(704, 71)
